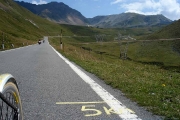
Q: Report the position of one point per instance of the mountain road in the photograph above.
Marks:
(53, 88)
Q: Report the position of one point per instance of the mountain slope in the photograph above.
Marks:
(61, 13)
(14, 20)
(57, 12)
(129, 20)
(170, 31)
(18, 22)
(19, 26)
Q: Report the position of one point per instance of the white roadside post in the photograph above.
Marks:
(3, 40)
(61, 44)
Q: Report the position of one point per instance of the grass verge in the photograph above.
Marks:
(151, 86)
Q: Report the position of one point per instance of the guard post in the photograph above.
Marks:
(3, 40)
(61, 44)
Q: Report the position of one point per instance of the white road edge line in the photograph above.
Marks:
(115, 105)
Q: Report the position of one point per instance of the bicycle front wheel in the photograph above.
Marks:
(11, 94)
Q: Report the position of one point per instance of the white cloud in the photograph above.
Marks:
(169, 8)
(38, 3)
(116, 1)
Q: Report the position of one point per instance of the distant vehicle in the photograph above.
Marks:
(39, 42)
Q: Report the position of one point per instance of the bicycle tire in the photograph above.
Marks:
(11, 93)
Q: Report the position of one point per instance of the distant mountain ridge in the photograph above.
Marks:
(57, 12)
(61, 13)
(129, 20)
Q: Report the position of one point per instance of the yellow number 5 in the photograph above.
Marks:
(97, 112)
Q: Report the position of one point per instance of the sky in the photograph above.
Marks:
(92, 8)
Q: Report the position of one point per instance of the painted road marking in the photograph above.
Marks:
(73, 103)
(92, 108)
(116, 105)
(97, 112)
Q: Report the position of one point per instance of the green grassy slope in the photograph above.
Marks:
(15, 21)
(20, 25)
(149, 77)
(170, 31)
(110, 33)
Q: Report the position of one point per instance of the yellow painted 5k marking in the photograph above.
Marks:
(91, 108)
(97, 112)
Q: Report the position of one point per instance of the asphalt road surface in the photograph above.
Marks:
(53, 88)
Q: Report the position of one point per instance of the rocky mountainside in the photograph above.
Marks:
(57, 12)
(129, 20)
(61, 13)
